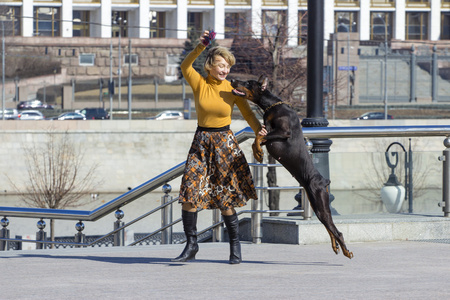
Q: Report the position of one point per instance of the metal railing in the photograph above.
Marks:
(256, 211)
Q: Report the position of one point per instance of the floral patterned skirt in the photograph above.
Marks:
(216, 174)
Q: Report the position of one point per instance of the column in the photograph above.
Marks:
(66, 16)
(292, 22)
(27, 18)
(181, 19)
(256, 17)
(400, 20)
(435, 20)
(143, 31)
(219, 19)
(364, 21)
(329, 18)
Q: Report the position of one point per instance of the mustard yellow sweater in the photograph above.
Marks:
(214, 100)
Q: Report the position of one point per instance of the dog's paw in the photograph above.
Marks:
(258, 153)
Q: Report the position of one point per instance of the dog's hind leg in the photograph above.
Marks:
(321, 206)
(334, 244)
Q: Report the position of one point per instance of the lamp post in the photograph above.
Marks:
(385, 66)
(16, 82)
(120, 22)
(3, 71)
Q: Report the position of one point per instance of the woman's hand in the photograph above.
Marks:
(207, 37)
(263, 131)
(203, 37)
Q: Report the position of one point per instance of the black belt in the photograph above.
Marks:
(213, 129)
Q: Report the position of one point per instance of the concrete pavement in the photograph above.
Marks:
(379, 270)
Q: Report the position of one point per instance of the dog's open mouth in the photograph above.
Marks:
(238, 92)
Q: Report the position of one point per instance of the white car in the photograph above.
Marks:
(168, 115)
(10, 114)
(31, 115)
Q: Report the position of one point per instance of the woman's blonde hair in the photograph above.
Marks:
(218, 51)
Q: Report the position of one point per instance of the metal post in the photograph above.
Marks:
(130, 84)
(119, 237)
(166, 215)
(100, 83)
(307, 211)
(16, 81)
(183, 87)
(41, 235)
(385, 70)
(412, 82)
(111, 83)
(217, 233)
(257, 205)
(410, 178)
(434, 75)
(4, 233)
(445, 158)
(73, 91)
(3, 71)
(120, 64)
(79, 236)
(156, 90)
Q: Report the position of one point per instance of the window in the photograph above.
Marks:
(346, 3)
(274, 22)
(302, 26)
(9, 15)
(46, 21)
(134, 59)
(157, 24)
(346, 21)
(80, 23)
(235, 25)
(119, 24)
(381, 25)
(195, 21)
(416, 26)
(445, 26)
(382, 3)
(418, 3)
(87, 59)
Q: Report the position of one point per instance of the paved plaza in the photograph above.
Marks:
(379, 270)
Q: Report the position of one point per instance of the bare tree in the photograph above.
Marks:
(57, 176)
(271, 56)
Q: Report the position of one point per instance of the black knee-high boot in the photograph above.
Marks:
(232, 224)
(190, 229)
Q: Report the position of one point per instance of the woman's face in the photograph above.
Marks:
(220, 68)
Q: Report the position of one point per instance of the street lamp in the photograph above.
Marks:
(385, 66)
(120, 22)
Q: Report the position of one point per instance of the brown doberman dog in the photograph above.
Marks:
(285, 142)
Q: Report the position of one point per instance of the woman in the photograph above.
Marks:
(216, 175)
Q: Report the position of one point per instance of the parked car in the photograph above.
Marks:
(33, 104)
(94, 113)
(69, 116)
(31, 115)
(10, 114)
(168, 115)
(373, 116)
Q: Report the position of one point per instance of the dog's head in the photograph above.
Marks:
(251, 89)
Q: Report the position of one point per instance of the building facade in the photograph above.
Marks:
(372, 19)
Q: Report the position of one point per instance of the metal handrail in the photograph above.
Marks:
(244, 134)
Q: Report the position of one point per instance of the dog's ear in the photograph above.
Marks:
(265, 83)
